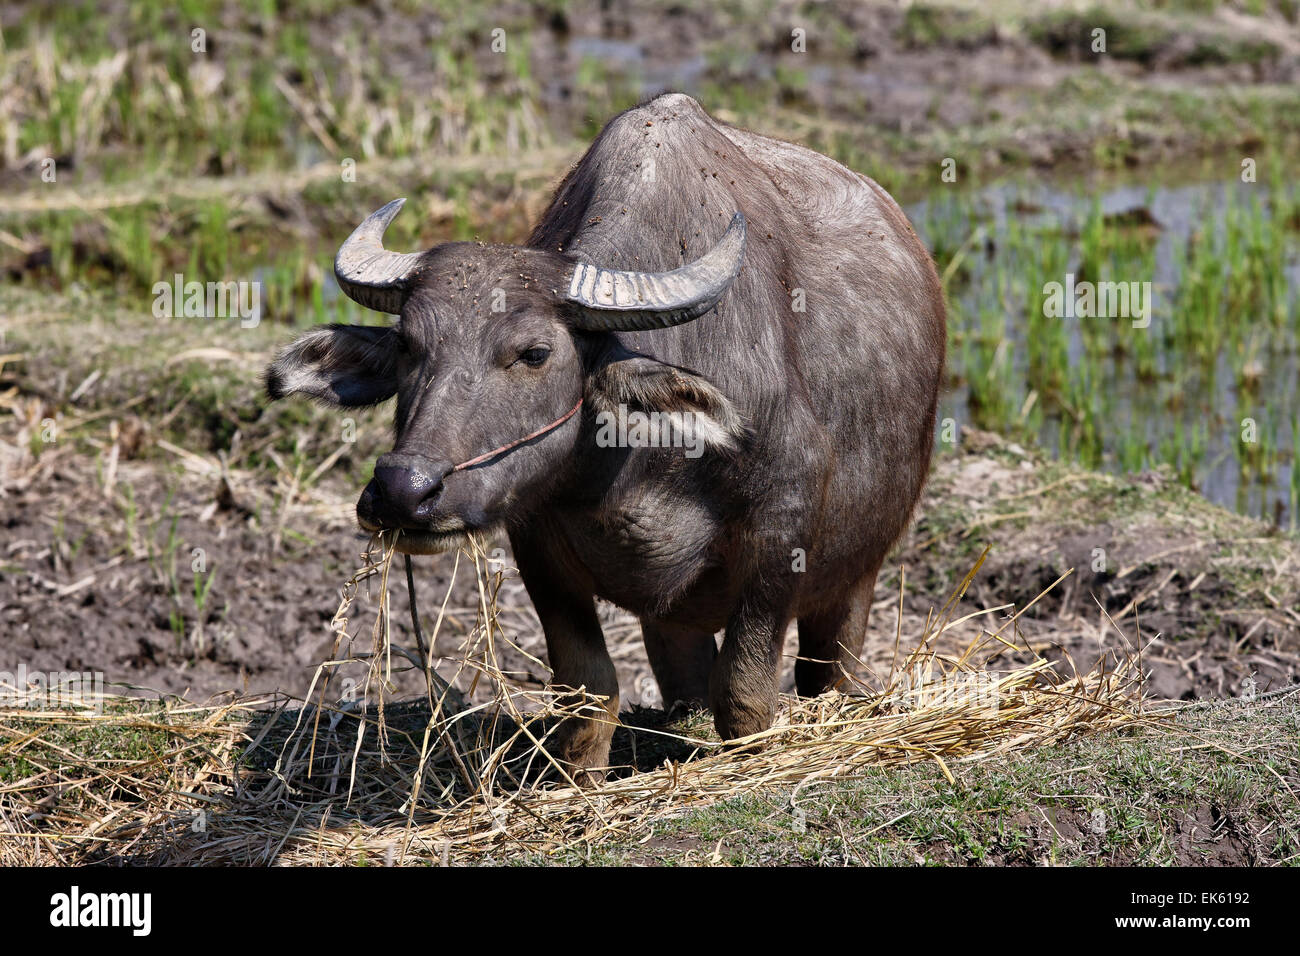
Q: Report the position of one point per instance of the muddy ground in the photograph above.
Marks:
(1210, 596)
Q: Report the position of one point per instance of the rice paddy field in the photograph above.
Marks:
(1201, 384)
(1115, 487)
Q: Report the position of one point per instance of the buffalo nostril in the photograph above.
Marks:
(404, 493)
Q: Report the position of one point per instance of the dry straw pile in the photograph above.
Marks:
(467, 772)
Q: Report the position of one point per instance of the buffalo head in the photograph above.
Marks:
(494, 344)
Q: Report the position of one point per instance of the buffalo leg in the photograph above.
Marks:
(830, 640)
(579, 659)
(681, 658)
(743, 682)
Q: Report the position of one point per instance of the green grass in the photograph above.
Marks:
(930, 25)
(1146, 37)
(1144, 798)
(98, 86)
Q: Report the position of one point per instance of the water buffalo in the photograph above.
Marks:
(778, 312)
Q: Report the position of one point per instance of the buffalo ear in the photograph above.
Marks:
(644, 384)
(348, 365)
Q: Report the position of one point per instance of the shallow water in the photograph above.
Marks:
(1188, 407)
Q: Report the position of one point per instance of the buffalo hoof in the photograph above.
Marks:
(583, 749)
(734, 718)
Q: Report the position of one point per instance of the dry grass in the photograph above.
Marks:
(355, 777)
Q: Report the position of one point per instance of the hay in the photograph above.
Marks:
(468, 771)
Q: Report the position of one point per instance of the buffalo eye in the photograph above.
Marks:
(535, 357)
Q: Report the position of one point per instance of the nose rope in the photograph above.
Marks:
(519, 441)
